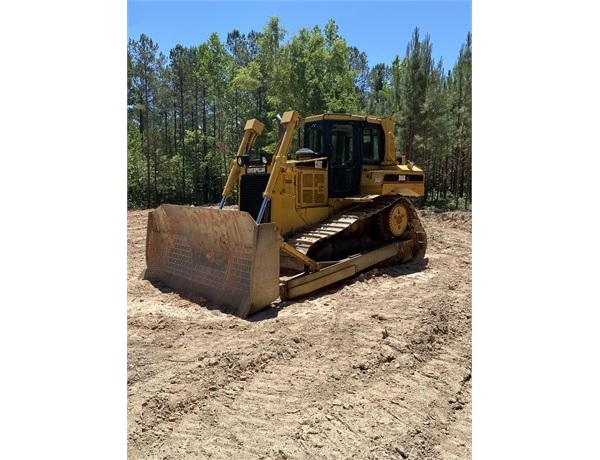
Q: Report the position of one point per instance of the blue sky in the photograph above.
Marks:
(381, 29)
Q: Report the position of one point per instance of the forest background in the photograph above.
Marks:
(186, 110)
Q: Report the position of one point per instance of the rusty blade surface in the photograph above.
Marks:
(221, 255)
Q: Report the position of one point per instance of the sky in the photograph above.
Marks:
(380, 29)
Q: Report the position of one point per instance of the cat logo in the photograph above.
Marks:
(256, 169)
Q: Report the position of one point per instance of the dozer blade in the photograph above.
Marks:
(221, 255)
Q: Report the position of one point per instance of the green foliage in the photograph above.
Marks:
(186, 114)
(135, 167)
(449, 203)
(247, 78)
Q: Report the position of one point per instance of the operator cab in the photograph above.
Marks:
(348, 144)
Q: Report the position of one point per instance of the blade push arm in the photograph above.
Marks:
(252, 130)
(290, 121)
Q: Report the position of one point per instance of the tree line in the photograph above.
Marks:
(186, 111)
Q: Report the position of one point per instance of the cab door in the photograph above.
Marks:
(344, 154)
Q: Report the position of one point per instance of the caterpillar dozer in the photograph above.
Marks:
(332, 200)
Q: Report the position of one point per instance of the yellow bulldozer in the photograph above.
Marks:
(331, 201)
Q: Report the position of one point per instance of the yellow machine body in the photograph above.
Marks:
(329, 203)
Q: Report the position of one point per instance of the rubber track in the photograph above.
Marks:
(339, 222)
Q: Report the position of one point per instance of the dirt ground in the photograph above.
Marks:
(378, 367)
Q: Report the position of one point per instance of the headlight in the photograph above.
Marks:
(266, 158)
(240, 161)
